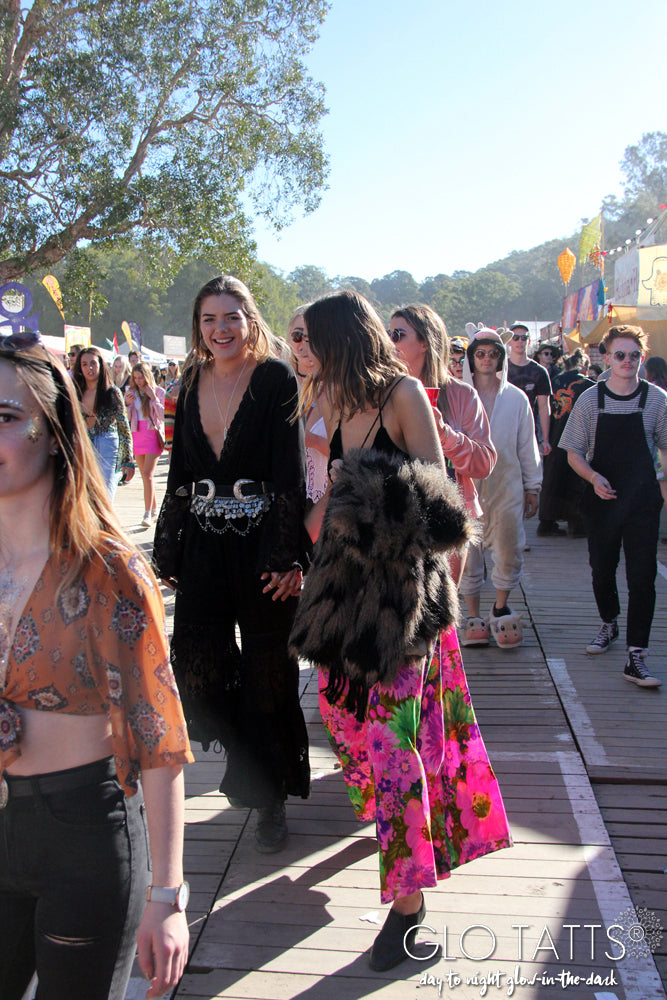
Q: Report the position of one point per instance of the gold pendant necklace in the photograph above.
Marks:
(217, 403)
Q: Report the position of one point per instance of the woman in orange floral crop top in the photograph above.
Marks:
(88, 706)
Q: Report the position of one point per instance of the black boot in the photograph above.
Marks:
(271, 833)
(388, 948)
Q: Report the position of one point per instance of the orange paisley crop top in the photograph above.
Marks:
(100, 648)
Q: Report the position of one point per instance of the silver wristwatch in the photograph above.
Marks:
(177, 897)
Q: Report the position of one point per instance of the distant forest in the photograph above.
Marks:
(525, 284)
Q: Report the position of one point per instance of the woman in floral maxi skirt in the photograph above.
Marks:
(418, 766)
(412, 754)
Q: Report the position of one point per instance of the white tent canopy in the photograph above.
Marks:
(153, 357)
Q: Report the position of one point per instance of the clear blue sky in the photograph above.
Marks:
(460, 131)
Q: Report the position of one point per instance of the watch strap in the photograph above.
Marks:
(176, 896)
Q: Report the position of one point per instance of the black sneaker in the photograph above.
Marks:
(608, 633)
(545, 529)
(637, 672)
(271, 833)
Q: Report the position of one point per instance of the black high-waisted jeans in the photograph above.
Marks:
(73, 876)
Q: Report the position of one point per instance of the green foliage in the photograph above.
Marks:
(523, 285)
(359, 285)
(396, 289)
(311, 283)
(645, 167)
(483, 296)
(156, 119)
(276, 297)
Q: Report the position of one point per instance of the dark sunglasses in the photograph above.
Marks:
(297, 336)
(20, 341)
(493, 353)
(519, 336)
(396, 336)
(622, 355)
(457, 359)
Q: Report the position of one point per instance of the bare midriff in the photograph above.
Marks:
(54, 742)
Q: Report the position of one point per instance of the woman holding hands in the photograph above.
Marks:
(230, 540)
(377, 614)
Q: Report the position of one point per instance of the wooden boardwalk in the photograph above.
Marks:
(581, 758)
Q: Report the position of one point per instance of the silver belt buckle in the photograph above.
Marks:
(210, 486)
(236, 488)
(4, 793)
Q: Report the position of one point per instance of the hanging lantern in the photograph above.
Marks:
(595, 257)
(566, 265)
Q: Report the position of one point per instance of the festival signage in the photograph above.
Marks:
(78, 336)
(640, 277)
(174, 347)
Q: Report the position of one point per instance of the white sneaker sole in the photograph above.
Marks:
(647, 682)
(598, 650)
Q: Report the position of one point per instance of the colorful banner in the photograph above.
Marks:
(585, 303)
(591, 235)
(136, 334)
(115, 343)
(76, 335)
(53, 288)
(126, 333)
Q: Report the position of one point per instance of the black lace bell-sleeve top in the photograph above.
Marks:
(263, 443)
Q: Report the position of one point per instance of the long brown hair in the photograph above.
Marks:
(80, 511)
(431, 330)
(656, 371)
(355, 353)
(261, 341)
(104, 381)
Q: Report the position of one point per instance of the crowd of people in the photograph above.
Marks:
(331, 495)
(129, 409)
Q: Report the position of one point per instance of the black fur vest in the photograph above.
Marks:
(379, 586)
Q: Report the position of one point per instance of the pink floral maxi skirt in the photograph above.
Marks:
(417, 765)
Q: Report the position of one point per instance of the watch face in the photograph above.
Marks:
(183, 896)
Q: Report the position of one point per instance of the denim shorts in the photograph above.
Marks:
(74, 867)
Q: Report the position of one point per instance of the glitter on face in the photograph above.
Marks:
(33, 431)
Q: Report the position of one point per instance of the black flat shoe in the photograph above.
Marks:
(388, 949)
(271, 833)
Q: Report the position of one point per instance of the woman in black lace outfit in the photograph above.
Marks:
(230, 539)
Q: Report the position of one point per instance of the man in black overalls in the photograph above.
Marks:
(611, 441)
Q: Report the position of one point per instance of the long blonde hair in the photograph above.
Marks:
(80, 511)
(144, 399)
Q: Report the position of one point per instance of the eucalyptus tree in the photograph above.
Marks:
(166, 122)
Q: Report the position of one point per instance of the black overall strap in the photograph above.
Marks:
(641, 403)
